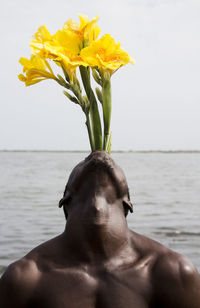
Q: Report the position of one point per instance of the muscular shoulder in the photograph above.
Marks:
(174, 267)
(175, 280)
(22, 277)
(19, 280)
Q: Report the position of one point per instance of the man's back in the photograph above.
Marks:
(152, 276)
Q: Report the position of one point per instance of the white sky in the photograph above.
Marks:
(156, 103)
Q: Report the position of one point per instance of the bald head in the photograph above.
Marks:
(97, 169)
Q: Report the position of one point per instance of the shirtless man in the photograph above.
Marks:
(97, 262)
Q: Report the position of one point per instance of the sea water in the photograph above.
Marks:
(164, 189)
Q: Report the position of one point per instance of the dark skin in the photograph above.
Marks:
(97, 262)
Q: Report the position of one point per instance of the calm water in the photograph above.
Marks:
(165, 189)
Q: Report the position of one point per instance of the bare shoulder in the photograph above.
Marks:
(22, 277)
(175, 279)
(19, 280)
(175, 266)
(178, 280)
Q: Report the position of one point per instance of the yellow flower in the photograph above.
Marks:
(87, 30)
(43, 34)
(36, 69)
(66, 49)
(63, 47)
(106, 54)
(40, 42)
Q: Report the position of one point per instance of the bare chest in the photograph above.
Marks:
(76, 288)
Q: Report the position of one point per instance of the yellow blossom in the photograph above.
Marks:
(106, 54)
(40, 42)
(87, 30)
(35, 70)
(63, 47)
(43, 34)
(66, 49)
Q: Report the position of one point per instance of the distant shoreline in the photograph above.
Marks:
(117, 151)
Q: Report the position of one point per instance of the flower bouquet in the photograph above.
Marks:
(76, 46)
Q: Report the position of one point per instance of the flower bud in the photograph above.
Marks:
(99, 95)
(62, 81)
(72, 98)
(96, 77)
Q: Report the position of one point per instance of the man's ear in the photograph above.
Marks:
(61, 202)
(66, 198)
(128, 204)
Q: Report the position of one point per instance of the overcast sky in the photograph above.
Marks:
(156, 102)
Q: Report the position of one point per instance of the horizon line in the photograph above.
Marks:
(114, 151)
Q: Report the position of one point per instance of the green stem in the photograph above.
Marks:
(107, 106)
(94, 111)
(89, 132)
(109, 145)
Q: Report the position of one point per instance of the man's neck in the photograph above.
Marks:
(94, 244)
